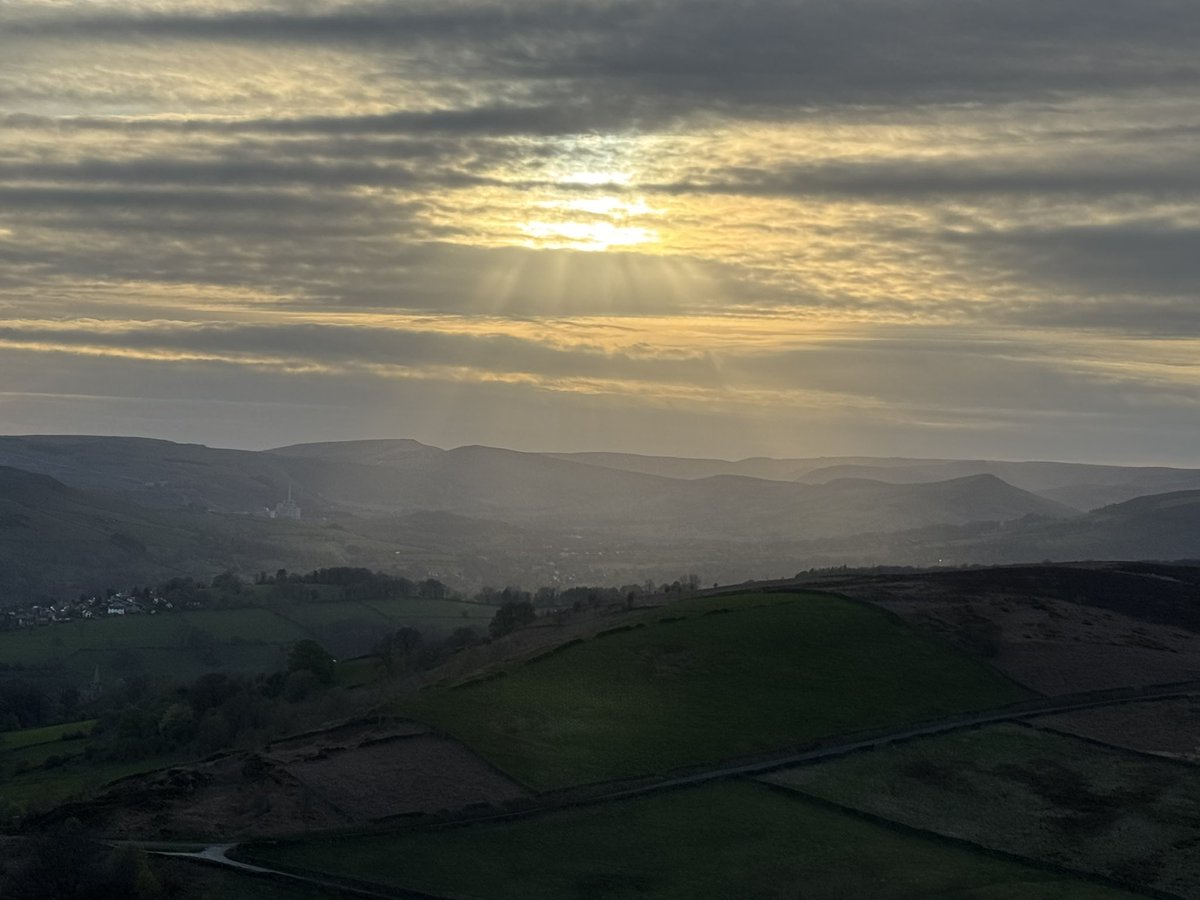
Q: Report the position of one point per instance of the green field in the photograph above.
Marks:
(455, 613)
(707, 681)
(42, 788)
(183, 645)
(315, 617)
(206, 882)
(1034, 793)
(24, 759)
(30, 737)
(722, 840)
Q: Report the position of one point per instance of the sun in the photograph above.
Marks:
(593, 211)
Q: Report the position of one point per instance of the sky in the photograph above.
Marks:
(940, 228)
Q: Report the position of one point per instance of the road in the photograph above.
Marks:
(218, 854)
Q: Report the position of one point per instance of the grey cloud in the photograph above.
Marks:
(900, 179)
(976, 382)
(1146, 258)
(36, 197)
(258, 171)
(369, 23)
(745, 58)
(562, 112)
(875, 181)
(359, 347)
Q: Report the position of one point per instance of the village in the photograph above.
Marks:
(114, 603)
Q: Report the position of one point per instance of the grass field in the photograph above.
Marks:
(42, 788)
(176, 665)
(315, 617)
(450, 611)
(30, 737)
(205, 882)
(1038, 794)
(706, 681)
(723, 840)
(183, 645)
(24, 759)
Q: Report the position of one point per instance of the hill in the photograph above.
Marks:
(390, 478)
(58, 541)
(798, 738)
(476, 515)
(1078, 485)
(50, 535)
(669, 691)
(1081, 486)
(1161, 526)
(753, 467)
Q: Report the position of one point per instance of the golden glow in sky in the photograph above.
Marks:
(704, 229)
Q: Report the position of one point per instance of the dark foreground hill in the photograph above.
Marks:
(756, 742)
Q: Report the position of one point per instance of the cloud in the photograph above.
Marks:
(706, 53)
(952, 214)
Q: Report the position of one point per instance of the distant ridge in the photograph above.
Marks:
(130, 508)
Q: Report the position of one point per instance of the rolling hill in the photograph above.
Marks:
(50, 535)
(529, 489)
(1161, 526)
(126, 510)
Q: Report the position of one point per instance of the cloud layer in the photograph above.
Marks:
(941, 227)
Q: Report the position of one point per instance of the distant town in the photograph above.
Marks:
(117, 603)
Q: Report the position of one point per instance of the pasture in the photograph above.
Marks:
(31, 737)
(1035, 793)
(42, 786)
(732, 839)
(705, 681)
(184, 644)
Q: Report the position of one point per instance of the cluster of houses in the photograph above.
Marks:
(120, 604)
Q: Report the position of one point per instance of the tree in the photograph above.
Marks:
(432, 589)
(65, 865)
(177, 724)
(310, 656)
(228, 582)
(510, 616)
(399, 648)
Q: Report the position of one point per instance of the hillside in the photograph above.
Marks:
(388, 478)
(886, 739)
(613, 707)
(1081, 486)
(52, 537)
(57, 541)
(481, 515)
(1161, 526)
(1078, 485)
(154, 473)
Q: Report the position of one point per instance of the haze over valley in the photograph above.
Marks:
(128, 510)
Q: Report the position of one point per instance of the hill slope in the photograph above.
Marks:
(51, 535)
(707, 680)
(1161, 526)
(530, 489)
